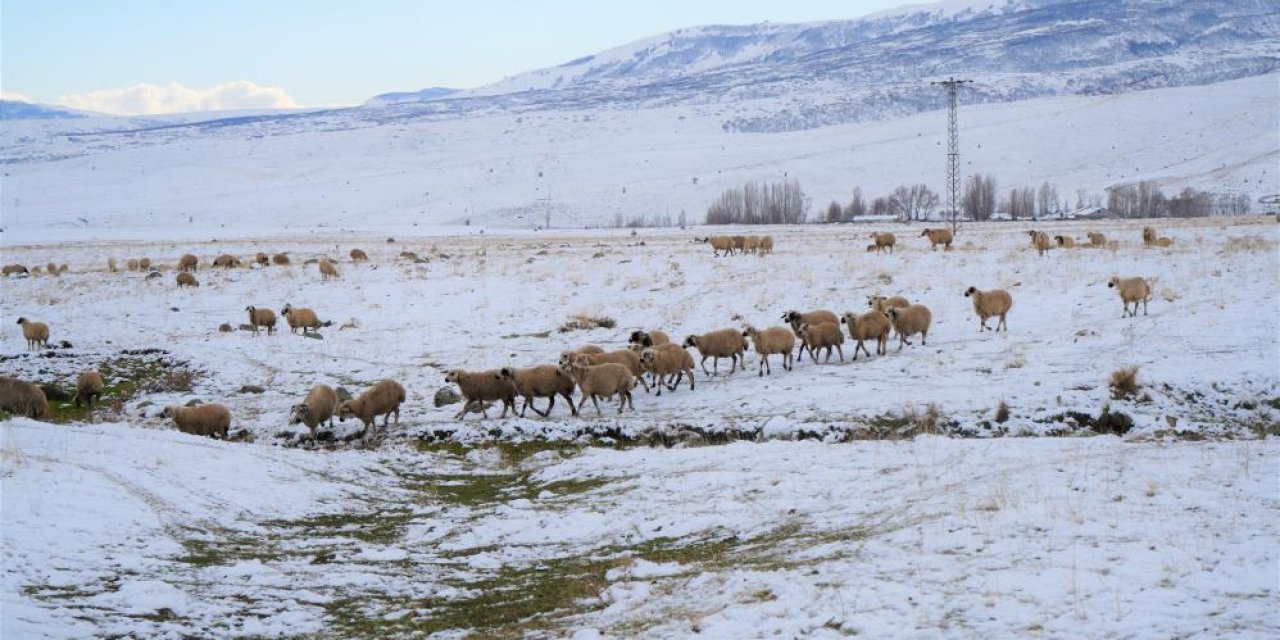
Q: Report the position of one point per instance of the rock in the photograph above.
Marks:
(313, 335)
(246, 327)
(343, 394)
(252, 388)
(153, 275)
(64, 344)
(224, 327)
(192, 403)
(54, 393)
(446, 396)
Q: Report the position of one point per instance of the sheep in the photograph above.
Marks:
(63, 268)
(1066, 242)
(941, 236)
(52, 268)
(144, 264)
(188, 262)
(382, 399)
(226, 261)
(908, 321)
(320, 405)
(648, 338)
(625, 357)
(584, 349)
(1133, 290)
(280, 259)
(739, 243)
(1040, 240)
(751, 244)
(88, 388)
(11, 269)
(823, 335)
(542, 381)
(1096, 239)
(990, 303)
(300, 317)
(261, 318)
(409, 255)
(481, 387)
(766, 245)
(718, 244)
(37, 270)
(201, 420)
(327, 270)
(884, 240)
(1164, 242)
(1148, 236)
(881, 303)
(186, 279)
(262, 259)
(779, 340)
(872, 324)
(724, 343)
(872, 247)
(21, 398)
(358, 255)
(111, 264)
(36, 333)
(795, 319)
(131, 264)
(608, 379)
(665, 361)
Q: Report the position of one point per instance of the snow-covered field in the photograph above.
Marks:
(546, 526)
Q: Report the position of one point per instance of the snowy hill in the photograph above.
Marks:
(15, 110)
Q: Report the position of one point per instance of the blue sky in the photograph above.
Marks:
(330, 52)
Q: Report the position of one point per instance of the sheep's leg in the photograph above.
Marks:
(861, 346)
(704, 365)
(640, 379)
(1144, 307)
(764, 364)
(923, 336)
(581, 404)
(567, 398)
(599, 413)
(841, 350)
(1002, 324)
(690, 379)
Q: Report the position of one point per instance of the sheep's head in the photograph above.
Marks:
(971, 291)
(636, 336)
(892, 313)
(453, 375)
(1115, 280)
(298, 414)
(505, 373)
(804, 330)
(345, 410)
(22, 320)
(691, 341)
(285, 311)
(647, 356)
(168, 412)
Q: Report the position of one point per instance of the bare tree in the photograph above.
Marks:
(857, 206)
(912, 203)
(753, 203)
(834, 212)
(880, 207)
(1046, 200)
(979, 200)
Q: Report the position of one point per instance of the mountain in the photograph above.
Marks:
(797, 76)
(14, 110)
(425, 95)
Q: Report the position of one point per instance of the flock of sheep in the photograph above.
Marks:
(589, 370)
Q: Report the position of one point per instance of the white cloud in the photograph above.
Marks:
(145, 99)
(14, 96)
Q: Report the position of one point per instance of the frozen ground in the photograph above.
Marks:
(546, 526)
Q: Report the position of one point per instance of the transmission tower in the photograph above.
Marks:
(953, 149)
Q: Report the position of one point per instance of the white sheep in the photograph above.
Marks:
(602, 380)
(542, 381)
(36, 333)
(910, 320)
(990, 303)
(1133, 290)
(779, 340)
(823, 335)
(724, 343)
(666, 361)
(479, 387)
(868, 326)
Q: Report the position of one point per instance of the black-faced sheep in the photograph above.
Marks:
(1133, 290)
(910, 320)
(542, 381)
(261, 317)
(881, 303)
(648, 338)
(88, 388)
(625, 357)
(779, 340)
(724, 343)
(719, 244)
(940, 236)
(989, 304)
(872, 325)
(795, 319)
(481, 387)
(382, 399)
(1040, 240)
(823, 335)
(36, 333)
(200, 420)
(668, 362)
(1066, 242)
(601, 380)
(15, 269)
(320, 405)
(21, 398)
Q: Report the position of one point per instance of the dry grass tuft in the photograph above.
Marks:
(1124, 382)
(1249, 243)
(1002, 412)
(583, 321)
